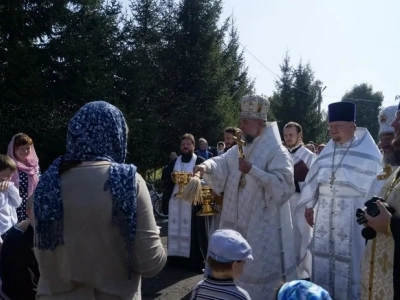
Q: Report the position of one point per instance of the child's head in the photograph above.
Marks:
(301, 289)
(7, 167)
(22, 146)
(227, 252)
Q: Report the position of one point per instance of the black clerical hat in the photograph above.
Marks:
(342, 111)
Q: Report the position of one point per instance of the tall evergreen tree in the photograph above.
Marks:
(282, 99)
(166, 66)
(85, 51)
(202, 77)
(24, 27)
(141, 82)
(236, 76)
(306, 99)
(200, 84)
(368, 103)
(56, 57)
(297, 99)
(196, 68)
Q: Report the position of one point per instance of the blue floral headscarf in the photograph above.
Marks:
(97, 132)
(302, 290)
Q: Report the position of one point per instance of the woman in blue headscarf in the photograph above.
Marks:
(302, 290)
(95, 230)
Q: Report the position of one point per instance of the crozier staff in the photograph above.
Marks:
(257, 207)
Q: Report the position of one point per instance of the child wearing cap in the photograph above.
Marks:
(227, 253)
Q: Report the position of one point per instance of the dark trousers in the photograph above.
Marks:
(165, 205)
(3, 236)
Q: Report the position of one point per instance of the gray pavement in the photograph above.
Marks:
(170, 283)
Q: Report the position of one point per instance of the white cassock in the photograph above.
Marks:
(337, 245)
(301, 230)
(260, 211)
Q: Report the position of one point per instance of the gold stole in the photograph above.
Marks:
(377, 262)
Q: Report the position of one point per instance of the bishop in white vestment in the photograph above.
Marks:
(256, 192)
(377, 261)
(187, 233)
(386, 135)
(335, 187)
(302, 159)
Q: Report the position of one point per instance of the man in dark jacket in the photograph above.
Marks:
(203, 149)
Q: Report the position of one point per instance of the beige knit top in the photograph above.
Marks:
(92, 262)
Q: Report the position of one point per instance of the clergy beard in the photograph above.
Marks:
(389, 158)
(187, 156)
(249, 139)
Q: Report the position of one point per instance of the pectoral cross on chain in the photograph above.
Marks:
(332, 179)
(240, 143)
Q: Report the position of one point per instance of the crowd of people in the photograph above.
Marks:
(307, 214)
(292, 224)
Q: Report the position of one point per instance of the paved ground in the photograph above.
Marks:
(170, 284)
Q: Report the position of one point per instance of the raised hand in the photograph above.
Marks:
(4, 185)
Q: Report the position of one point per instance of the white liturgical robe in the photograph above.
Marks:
(337, 244)
(179, 227)
(260, 210)
(301, 230)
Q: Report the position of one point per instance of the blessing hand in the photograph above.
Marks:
(4, 185)
(244, 166)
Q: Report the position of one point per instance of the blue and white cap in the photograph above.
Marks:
(227, 245)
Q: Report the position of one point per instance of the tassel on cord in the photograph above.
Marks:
(192, 190)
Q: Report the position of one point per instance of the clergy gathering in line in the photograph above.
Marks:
(261, 219)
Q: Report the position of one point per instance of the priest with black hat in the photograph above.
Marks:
(335, 188)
